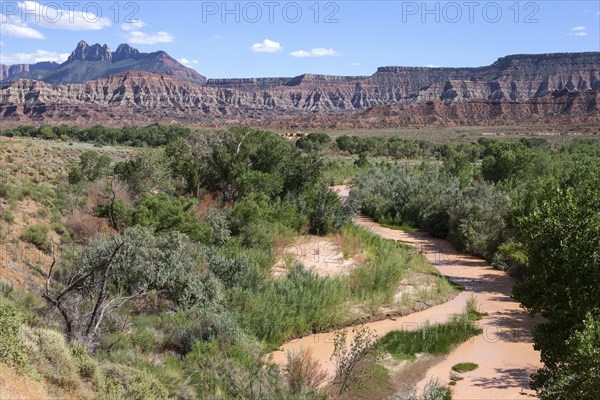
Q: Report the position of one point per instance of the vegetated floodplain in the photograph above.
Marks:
(172, 247)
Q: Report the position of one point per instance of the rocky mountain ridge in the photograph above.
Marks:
(518, 87)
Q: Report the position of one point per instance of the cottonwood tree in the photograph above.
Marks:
(93, 165)
(109, 272)
(561, 237)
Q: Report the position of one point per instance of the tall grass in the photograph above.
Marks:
(300, 304)
(376, 281)
(436, 339)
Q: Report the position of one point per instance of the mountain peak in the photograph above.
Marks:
(125, 51)
(96, 52)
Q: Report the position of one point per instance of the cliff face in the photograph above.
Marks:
(520, 87)
(26, 71)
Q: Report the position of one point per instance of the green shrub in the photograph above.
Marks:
(432, 391)
(182, 331)
(5, 287)
(376, 281)
(465, 367)
(49, 353)
(326, 212)
(87, 367)
(223, 370)
(145, 340)
(8, 216)
(37, 235)
(12, 350)
(122, 382)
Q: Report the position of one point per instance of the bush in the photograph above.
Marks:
(219, 224)
(37, 235)
(465, 367)
(49, 353)
(122, 382)
(5, 287)
(303, 372)
(231, 271)
(164, 214)
(8, 216)
(472, 215)
(87, 367)
(376, 281)
(12, 350)
(222, 370)
(326, 212)
(182, 331)
(433, 391)
(92, 166)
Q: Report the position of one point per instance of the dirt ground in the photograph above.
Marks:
(319, 254)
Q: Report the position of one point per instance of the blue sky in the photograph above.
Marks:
(285, 38)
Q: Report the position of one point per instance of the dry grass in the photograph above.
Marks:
(303, 371)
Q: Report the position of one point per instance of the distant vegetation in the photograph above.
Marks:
(154, 135)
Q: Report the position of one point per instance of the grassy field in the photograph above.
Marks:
(447, 134)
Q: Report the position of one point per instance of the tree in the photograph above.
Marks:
(164, 213)
(242, 162)
(561, 237)
(93, 165)
(149, 172)
(326, 212)
(578, 376)
(315, 141)
(346, 357)
(504, 160)
(109, 272)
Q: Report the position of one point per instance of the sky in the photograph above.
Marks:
(288, 38)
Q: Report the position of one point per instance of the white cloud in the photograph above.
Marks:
(56, 18)
(432, 66)
(578, 31)
(216, 37)
(354, 64)
(267, 46)
(137, 37)
(32, 58)
(318, 52)
(11, 25)
(133, 26)
(186, 62)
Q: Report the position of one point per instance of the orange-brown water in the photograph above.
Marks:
(504, 352)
